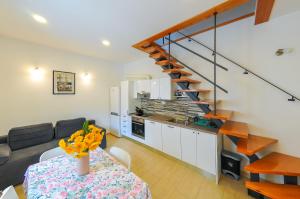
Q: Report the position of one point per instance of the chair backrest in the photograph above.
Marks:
(121, 155)
(9, 193)
(51, 153)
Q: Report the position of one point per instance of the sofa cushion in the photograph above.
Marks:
(65, 128)
(12, 172)
(27, 136)
(4, 153)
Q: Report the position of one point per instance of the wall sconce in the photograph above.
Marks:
(282, 51)
(36, 74)
(86, 77)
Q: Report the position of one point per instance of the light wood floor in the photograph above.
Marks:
(169, 178)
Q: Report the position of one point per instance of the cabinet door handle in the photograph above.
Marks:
(152, 122)
(171, 127)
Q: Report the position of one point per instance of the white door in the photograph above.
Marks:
(189, 146)
(206, 152)
(165, 88)
(153, 135)
(115, 100)
(154, 93)
(171, 140)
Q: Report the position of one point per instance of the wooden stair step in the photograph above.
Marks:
(182, 72)
(185, 79)
(277, 164)
(166, 62)
(207, 102)
(236, 129)
(254, 144)
(146, 44)
(159, 55)
(152, 49)
(221, 115)
(275, 191)
(195, 91)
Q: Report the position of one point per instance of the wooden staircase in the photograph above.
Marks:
(238, 132)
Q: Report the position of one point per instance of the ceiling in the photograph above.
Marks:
(80, 25)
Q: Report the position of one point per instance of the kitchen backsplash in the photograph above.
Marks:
(182, 107)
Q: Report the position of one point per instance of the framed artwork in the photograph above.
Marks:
(63, 83)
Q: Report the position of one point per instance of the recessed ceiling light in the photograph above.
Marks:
(39, 18)
(105, 42)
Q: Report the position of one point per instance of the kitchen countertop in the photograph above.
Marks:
(164, 119)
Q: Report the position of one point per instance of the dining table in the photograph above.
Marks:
(57, 178)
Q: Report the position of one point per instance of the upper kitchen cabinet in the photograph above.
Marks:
(165, 88)
(141, 86)
(154, 94)
(161, 89)
(127, 105)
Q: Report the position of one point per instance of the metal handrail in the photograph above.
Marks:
(293, 97)
(191, 69)
(174, 42)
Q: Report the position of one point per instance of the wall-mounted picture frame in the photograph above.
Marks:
(63, 83)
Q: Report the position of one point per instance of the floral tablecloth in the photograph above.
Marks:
(57, 178)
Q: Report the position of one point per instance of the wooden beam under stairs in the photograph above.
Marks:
(236, 129)
(277, 164)
(275, 191)
(254, 144)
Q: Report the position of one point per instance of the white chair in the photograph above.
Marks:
(9, 193)
(51, 154)
(121, 155)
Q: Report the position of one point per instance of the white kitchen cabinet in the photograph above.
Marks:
(189, 146)
(165, 88)
(153, 136)
(154, 94)
(141, 86)
(206, 152)
(124, 97)
(171, 140)
(127, 106)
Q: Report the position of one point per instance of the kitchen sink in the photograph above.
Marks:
(178, 121)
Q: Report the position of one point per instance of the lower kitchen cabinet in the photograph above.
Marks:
(206, 152)
(171, 140)
(153, 135)
(126, 125)
(189, 146)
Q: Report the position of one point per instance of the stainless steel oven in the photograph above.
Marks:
(138, 127)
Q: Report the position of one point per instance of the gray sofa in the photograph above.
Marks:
(24, 145)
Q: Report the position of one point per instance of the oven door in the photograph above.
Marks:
(138, 129)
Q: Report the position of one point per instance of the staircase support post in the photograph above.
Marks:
(215, 63)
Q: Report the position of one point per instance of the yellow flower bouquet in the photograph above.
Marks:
(82, 141)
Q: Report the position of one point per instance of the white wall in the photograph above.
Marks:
(265, 109)
(26, 101)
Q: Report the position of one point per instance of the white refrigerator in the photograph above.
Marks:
(115, 111)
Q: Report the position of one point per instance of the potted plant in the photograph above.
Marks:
(80, 143)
